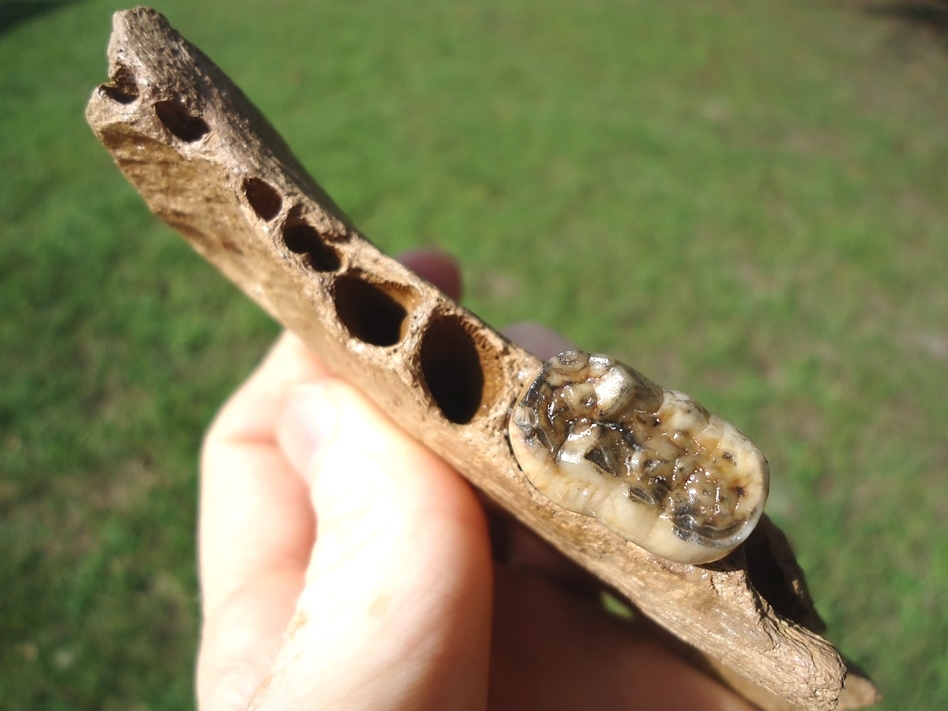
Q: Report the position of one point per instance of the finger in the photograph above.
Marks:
(396, 609)
(437, 267)
(543, 342)
(552, 650)
(251, 506)
(255, 535)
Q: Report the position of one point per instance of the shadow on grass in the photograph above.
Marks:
(929, 14)
(13, 12)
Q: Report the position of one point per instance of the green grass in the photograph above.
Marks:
(745, 200)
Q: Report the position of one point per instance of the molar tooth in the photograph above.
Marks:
(600, 439)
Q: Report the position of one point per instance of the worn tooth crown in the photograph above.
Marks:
(599, 438)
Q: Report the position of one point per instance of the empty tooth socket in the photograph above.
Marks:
(303, 239)
(122, 87)
(374, 312)
(263, 198)
(180, 122)
(458, 368)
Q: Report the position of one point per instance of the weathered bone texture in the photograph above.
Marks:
(211, 166)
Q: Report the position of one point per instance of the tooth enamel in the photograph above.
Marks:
(600, 439)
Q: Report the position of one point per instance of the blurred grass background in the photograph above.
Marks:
(747, 201)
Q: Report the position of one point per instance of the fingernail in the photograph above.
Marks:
(543, 342)
(307, 421)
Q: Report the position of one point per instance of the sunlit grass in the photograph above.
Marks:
(745, 202)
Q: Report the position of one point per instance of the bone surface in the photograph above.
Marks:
(209, 164)
(599, 438)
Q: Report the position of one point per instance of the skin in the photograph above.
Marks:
(345, 566)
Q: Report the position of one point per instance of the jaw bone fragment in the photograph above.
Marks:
(598, 438)
(209, 163)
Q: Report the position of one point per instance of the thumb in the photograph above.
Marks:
(395, 612)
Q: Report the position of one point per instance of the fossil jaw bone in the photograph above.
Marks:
(598, 438)
(208, 163)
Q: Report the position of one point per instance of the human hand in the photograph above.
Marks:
(344, 565)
